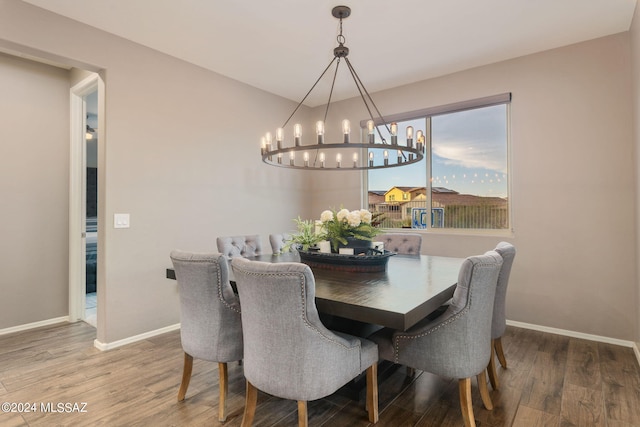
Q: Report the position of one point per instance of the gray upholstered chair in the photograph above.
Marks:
(401, 243)
(456, 344)
(210, 323)
(278, 242)
(288, 352)
(508, 252)
(243, 246)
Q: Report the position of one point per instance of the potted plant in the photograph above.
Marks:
(348, 228)
(306, 236)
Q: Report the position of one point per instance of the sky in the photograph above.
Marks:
(469, 154)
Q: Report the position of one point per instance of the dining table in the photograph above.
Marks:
(409, 289)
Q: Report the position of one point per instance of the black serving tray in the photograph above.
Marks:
(368, 262)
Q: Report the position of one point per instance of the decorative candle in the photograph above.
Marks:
(321, 160)
(338, 159)
(267, 144)
(305, 157)
(320, 131)
(419, 140)
(410, 136)
(346, 130)
(371, 159)
(355, 160)
(370, 128)
(292, 158)
(279, 137)
(386, 157)
(297, 134)
(325, 246)
(269, 138)
(394, 133)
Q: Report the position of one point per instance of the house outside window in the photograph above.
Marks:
(463, 181)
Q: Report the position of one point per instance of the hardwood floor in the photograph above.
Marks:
(551, 380)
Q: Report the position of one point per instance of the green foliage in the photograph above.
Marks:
(305, 237)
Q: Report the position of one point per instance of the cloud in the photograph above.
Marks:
(474, 139)
(471, 155)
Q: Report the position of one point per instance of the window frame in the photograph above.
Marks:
(427, 114)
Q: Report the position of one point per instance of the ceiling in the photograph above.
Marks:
(282, 46)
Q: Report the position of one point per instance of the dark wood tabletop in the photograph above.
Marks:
(410, 289)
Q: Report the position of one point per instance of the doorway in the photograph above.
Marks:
(91, 207)
(83, 210)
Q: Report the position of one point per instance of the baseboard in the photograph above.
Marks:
(33, 325)
(572, 334)
(111, 345)
(636, 350)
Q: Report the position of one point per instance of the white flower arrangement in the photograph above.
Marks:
(344, 224)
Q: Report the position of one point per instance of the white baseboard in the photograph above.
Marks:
(573, 334)
(33, 325)
(111, 345)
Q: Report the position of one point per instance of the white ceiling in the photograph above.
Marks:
(282, 46)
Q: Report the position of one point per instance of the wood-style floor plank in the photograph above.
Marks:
(582, 406)
(551, 381)
(543, 390)
(583, 364)
(530, 417)
(621, 384)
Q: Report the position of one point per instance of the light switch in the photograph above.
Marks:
(121, 220)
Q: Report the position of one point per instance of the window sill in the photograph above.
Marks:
(454, 231)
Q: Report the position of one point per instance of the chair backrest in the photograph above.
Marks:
(243, 246)
(278, 241)
(458, 343)
(508, 252)
(288, 351)
(210, 323)
(401, 243)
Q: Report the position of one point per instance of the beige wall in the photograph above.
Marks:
(34, 178)
(573, 182)
(180, 156)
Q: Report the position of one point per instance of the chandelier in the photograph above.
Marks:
(344, 154)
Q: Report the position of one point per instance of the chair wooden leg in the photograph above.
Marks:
(186, 376)
(303, 417)
(224, 390)
(251, 401)
(372, 393)
(500, 352)
(491, 370)
(464, 386)
(484, 390)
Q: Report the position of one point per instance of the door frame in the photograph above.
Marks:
(77, 196)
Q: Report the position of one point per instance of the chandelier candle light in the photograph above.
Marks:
(378, 152)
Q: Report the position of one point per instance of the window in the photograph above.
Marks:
(464, 175)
